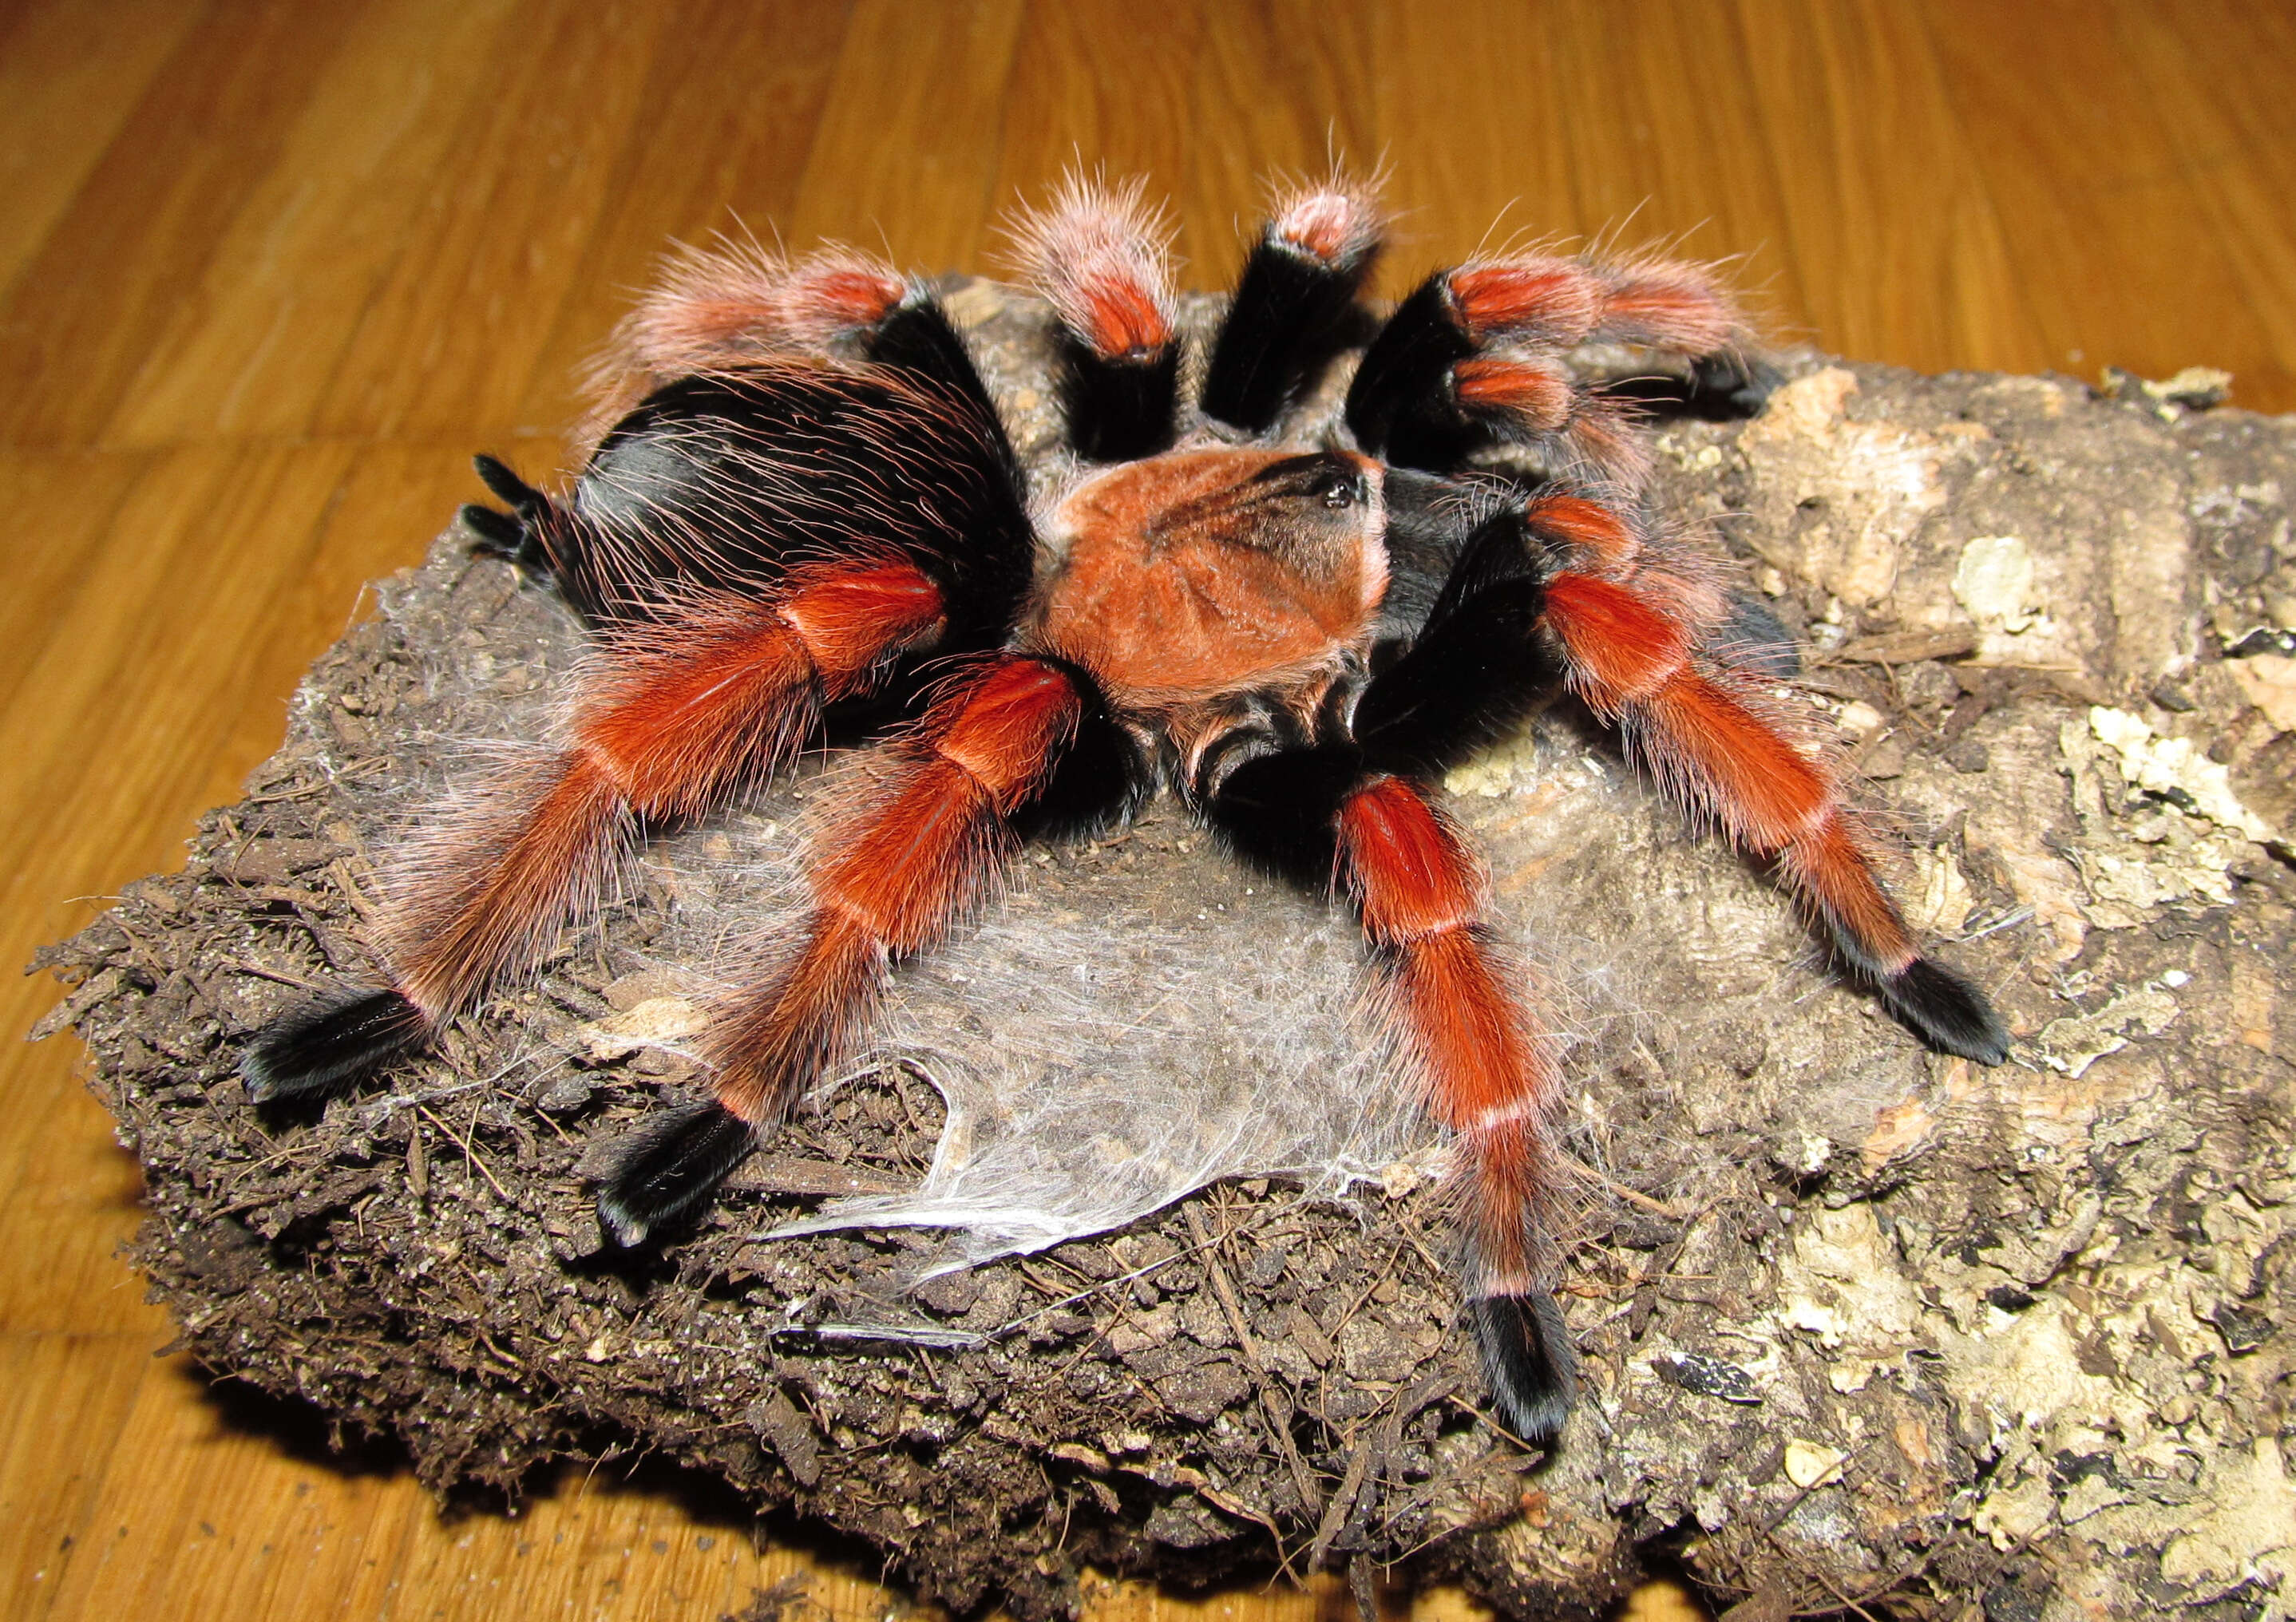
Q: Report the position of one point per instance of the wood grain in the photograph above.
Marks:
(268, 272)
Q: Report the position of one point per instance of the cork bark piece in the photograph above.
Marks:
(1860, 1324)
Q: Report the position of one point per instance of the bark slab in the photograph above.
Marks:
(1860, 1323)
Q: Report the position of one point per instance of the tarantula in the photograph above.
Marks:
(801, 499)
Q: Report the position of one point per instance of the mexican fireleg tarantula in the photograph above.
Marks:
(801, 495)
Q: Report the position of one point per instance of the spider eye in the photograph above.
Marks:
(1339, 485)
(1335, 482)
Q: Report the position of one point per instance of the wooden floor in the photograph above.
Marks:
(269, 272)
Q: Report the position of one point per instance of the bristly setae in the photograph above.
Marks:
(801, 498)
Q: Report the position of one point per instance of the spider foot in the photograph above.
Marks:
(1944, 1011)
(329, 1041)
(1528, 1363)
(500, 536)
(496, 474)
(1733, 384)
(514, 535)
(670, 1166)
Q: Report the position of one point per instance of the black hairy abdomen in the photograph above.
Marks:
(726, 483)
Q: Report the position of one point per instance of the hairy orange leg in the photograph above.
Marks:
(681, 714)
(890, 876)
(1420, 893)
(1632, 662)
(1445, 994)
(1706, 737)
(890, 879)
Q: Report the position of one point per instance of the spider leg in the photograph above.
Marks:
(886, 878)
(1443, 995)
(1101, 256)
(1350, 810)
(1444, 991)
(1298, 288)
(1477, 353)
(1635, 658)
(674, 718)
(716, 309)
(729, 307)
(750, 548)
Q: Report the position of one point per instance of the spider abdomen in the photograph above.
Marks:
(727, 481)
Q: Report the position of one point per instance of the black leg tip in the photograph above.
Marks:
(670, 1166)
(500, 536)
(1528, 1363)
(496, 474)
(329, 1042)
(1944, 1011)
(1744, 383)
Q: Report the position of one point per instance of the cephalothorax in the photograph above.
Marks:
(800, 495)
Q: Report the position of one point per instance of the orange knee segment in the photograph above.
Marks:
(1776, 801)
(850, 620)
(1122, 316)
(684, 712)
(1621, 648)
(1535, 300)
(1539, 395)
(1005, 729)
(893, 876)
(1596, 531)
(924, 851)
(1631, 658)
(689, 709)
(834, 291)
(1099, 255)
(675, 718)
(1411, 876)
(917, 858)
